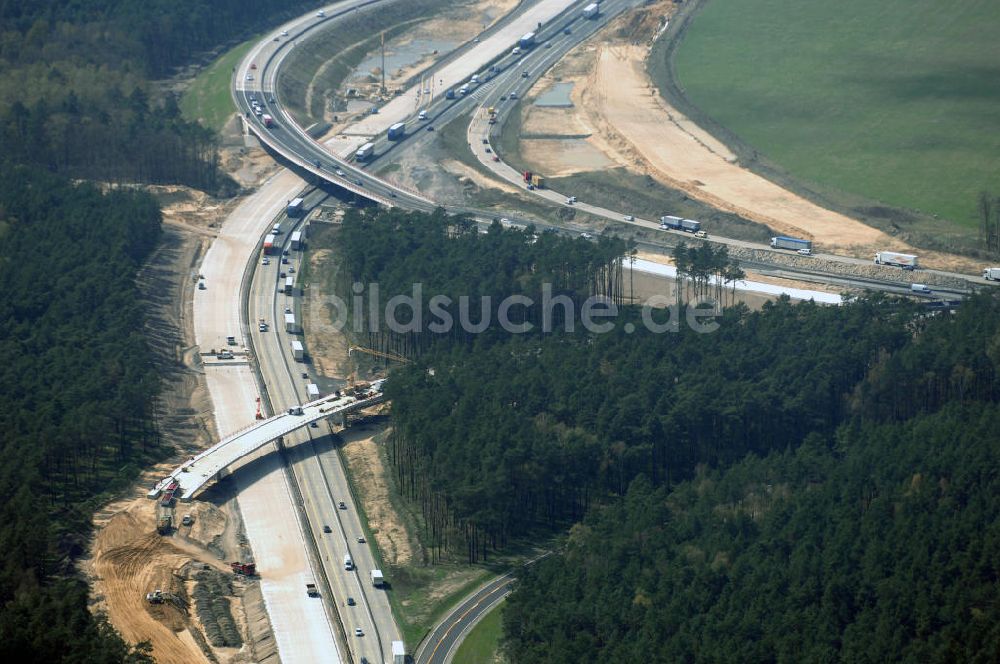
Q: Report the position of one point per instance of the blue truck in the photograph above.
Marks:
(396, 131)
(679, 224)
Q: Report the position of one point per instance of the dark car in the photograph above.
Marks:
(282, 275)
(327, 529)
(430, 128)
(350, 601)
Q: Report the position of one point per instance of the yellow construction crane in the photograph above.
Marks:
(380, 354)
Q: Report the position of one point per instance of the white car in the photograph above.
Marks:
(339, 172)
(321, 13)
(628, 217)
(249, 77)
(284, 33)
(805, 252)
(586, 236)
(358, 632)
(265, 261)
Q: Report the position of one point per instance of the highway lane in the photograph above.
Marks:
(320, 477)
(439, 647)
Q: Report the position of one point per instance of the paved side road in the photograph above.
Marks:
(438, 647)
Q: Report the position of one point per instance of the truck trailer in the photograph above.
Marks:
(297, 240)
(905, 261)
(671, 222)
(312, 391)
(289, 288)
(365, 152)
(591, 10)
(527, 40)
(290, 325)
(298, 352)
(271, 245)
(377, 578)
(268, 120)
(793, 243)
(295, 207)
(396, 131)
(398, 652)
(991, 274)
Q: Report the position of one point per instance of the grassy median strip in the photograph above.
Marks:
(482, 643)
(208, 100)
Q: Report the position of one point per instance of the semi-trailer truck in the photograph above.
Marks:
(527, 40)
(290, 325)
(679, 224)
(295, 207)
(290, 290)
(268, 120)
(793, 243)
(591, 10)
(298, 351)
(398, 652)
(365, 151)
(991, 274)
(396, 131)
(905, 261)
(297, 240)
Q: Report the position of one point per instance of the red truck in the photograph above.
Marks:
(268, 120)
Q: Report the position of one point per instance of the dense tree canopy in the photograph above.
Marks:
(77, 97)
(77, 389)
(876, 541)
(806, 483)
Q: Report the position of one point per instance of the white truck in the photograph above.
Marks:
(290, 325)
(348, 563)
(297, 240)
(365, 151)
(905, 261)
(793, 243)
(991, 274)
(377, 578)
(298, 351)
(398, 652)
(591, 10)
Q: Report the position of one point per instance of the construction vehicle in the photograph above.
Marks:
(244, 569)
(312, 590)
(165, 524)
(187, 520)
(537, 181)
(155, 597)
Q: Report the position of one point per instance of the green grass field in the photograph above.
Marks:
(208, 100)
(481, 644)
(897, 101)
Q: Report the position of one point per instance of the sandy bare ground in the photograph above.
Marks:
(131, 559)
(619, 100)
(365, 463)
(328, 347)
(127, 558)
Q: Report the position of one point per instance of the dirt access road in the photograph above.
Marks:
(618, 113)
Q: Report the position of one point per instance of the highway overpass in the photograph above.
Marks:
(192, 475)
